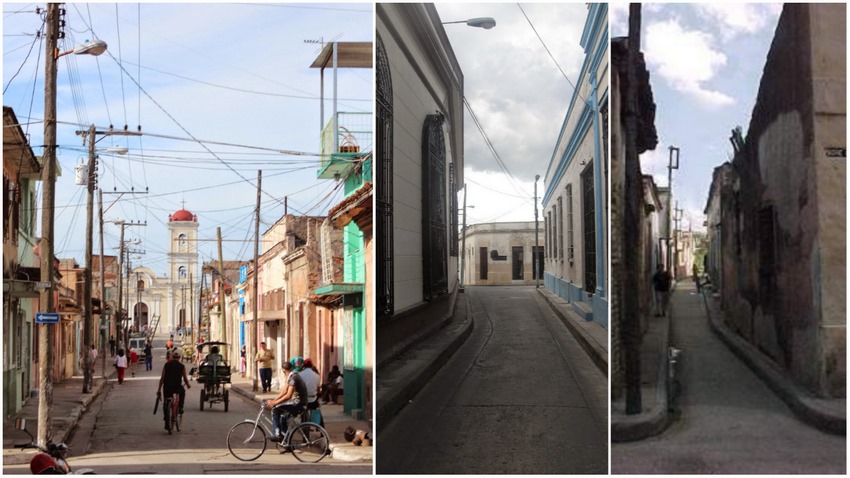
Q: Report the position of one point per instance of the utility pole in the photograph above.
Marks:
(119, 313)
(534, 260)
(671, 165)
(221, 302)
(48, 202)
(87, 286)
(102, 288)
(631, 231)
(463, 240)
(191, 317)
(254, 345)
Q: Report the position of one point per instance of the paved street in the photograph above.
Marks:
(731, 422)
(519, 396)
(119, 434)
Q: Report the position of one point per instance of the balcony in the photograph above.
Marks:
(346, 139)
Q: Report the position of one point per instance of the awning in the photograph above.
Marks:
(350, 54)
(341, 289)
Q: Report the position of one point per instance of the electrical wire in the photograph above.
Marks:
(32, 45)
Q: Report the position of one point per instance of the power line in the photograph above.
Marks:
(32, 45)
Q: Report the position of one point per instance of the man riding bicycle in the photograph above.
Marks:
(292, 400)
(172, 372)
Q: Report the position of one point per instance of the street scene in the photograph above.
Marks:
(197, 177)
(492, 297)
(729, 234)
(520, 395)
(117, 434)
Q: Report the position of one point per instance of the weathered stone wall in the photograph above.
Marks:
(784, 216)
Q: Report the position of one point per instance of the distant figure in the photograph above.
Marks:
(134, 360)
(244, 360)
(213, 357)
(93, 355)
(111, 346)
(333, 387)
(695, 271)
(264, 359)
(148, 356)
(120, 365)
(662, 281)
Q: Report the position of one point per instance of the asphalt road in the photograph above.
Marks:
(731, 422)
(519, 396)
(120, 435)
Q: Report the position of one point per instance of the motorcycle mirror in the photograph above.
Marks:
(20, 423)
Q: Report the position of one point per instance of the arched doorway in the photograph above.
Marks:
(140, 315)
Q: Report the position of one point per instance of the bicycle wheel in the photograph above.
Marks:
(246, 441)
(309, 443)
(175, 415)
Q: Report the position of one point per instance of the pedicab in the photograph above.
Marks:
(215, 377)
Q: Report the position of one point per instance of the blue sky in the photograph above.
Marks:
(705, 63)
(518, 94)
(170, 49)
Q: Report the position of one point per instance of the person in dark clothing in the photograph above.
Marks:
(111, 345)
(331, 388)
(172, 373)
(290, 402)
(148, 357)
(662, 280)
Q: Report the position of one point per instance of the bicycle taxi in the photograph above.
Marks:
(215, 377)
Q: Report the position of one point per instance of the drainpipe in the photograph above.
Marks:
(597, 175)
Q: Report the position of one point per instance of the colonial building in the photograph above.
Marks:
(576, 197)
(419, 168)
(716, 195)
(166, 299)
(503, 253)
(783, 227)
(21, 174)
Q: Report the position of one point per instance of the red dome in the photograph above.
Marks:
(182, 215)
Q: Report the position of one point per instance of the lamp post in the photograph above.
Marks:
(48, 202)
(480, 22)
(463, 240)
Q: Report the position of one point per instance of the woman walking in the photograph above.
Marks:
(120, 365)
(134, 360)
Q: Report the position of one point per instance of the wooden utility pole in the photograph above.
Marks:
(254, 344)
(221, 301)
(631, 231)
(191, 316)
(120, 304)
(48, 203)
(87, 281)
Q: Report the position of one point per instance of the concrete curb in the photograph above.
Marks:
(395, 399)
(626, 428)
(807, 407)
(595, 351)
(350, 453)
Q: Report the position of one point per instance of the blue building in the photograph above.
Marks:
(575, 201)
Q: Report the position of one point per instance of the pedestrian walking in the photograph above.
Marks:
(264, 359)
(93, 356)
(111, 346)
(695, 271)
(134, 360)
(662, 280)
(148, 356)
(120, 365)
(244, 361)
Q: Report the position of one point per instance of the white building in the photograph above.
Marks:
(503, 253)
(168, 297)
(576, 184)
(418, 158)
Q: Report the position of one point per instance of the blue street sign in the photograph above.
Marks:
(44, 318)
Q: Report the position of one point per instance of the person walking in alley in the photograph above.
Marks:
(264, 358)
(111, 346)
(662, 280)
(134, 361)
(695, 271)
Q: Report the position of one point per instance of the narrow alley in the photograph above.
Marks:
(519, 396)
(730, 421)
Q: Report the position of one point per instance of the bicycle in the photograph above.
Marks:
(307, 441)
(171, 410)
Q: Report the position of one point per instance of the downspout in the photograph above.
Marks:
(597, 177)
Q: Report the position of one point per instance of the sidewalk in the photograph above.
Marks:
(336, 422)
(69, 403)
(829, 415)
(655, 416)
(591, 336)
(401, 376)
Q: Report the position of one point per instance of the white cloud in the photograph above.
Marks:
(686, 59)
(734, 19)
(618, 19)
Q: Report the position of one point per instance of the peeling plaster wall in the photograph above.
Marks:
(783, 230)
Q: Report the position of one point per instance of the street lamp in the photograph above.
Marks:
(94, 47)
(48, 203)
(481, 22)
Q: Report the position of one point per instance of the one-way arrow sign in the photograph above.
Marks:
(45, 318)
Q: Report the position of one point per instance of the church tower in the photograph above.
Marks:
(182, 261)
